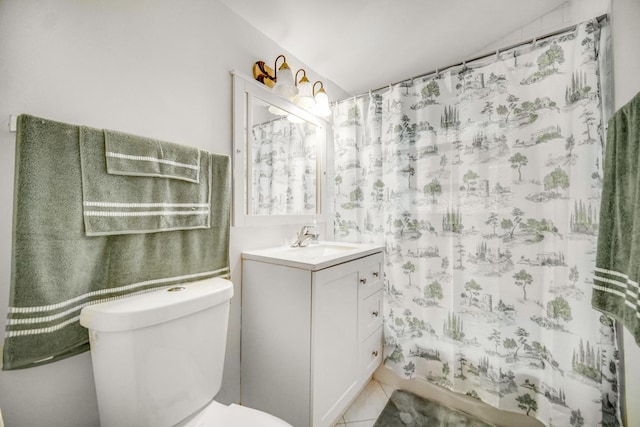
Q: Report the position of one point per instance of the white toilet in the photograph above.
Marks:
(158, 358)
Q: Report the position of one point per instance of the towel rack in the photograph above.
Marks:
(13, 122)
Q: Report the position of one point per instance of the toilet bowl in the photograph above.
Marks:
(158, 358)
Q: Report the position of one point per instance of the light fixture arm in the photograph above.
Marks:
(275, 66)
(304, 76)
(314, 87)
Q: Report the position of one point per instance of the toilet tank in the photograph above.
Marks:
(158, 357)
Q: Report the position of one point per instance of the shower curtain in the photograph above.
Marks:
(483, 184)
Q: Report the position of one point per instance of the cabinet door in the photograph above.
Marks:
(334, 351)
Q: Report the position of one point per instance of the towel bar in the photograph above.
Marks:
(13, 122)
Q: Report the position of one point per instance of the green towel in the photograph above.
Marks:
(56, 269)
(617, 273)
(136, 156)
(120, 204)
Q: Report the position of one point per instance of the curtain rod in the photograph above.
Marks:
(477, 58)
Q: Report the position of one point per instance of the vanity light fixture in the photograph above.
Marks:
(301, 92)
(321, 108)
(304, 98)
(285, 83)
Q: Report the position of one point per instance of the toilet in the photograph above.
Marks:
(158, 358)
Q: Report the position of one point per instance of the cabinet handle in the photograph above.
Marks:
(363, 280)
(375, 314)
(376, 274)
(375, 353)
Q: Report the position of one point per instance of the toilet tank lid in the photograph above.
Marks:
(157, 306)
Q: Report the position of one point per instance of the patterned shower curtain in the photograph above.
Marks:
(483, 184)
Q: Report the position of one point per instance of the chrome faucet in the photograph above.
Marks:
(304, 235)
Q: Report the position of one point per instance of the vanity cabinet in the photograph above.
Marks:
(311, 339)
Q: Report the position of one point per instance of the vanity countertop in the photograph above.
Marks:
(314, 257)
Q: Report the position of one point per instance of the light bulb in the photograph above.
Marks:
(322, 104)
(304, 99)
(285, 86)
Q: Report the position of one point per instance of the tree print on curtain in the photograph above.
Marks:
(483, 184)
(284, 168)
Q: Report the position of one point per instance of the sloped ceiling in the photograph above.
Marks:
(362, 45)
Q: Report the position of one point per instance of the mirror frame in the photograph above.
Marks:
(245, 91)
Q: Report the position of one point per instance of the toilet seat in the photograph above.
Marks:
(216, 414)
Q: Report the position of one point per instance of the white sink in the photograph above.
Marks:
(313, 257)
(320, 250)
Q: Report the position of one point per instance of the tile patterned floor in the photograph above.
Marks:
(364, 411)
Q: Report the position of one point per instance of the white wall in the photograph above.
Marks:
(158, 68)
(570, 13)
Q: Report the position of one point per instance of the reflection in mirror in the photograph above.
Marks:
(283, 153)
(278, 158)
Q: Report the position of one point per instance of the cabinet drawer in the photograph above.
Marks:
(371, 356)
(370, 314)
(370, 275)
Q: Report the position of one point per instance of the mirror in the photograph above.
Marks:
(278, 158)
(283, 163)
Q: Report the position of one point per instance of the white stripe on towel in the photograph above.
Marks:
(145, 205)
(49, 318)
(628, 284)
(144, 213)
(151, 159)
(62, 304)
(617, 283)
(79, 307)
(50, 329)
(621, 295)
(617, 273)
(37, 331)
(609, 290)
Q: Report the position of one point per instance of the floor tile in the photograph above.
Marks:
(388, 389)
(367, 423)
(339, 423)
(367, 406)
